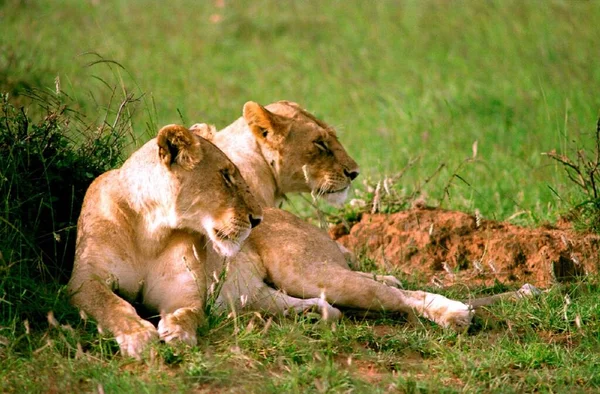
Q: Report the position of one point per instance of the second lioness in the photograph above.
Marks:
(281, 149)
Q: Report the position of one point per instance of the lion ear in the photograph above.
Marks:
(176, 144)
(265, 125)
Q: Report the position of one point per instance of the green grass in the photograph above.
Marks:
(534, 345)
(400, 80)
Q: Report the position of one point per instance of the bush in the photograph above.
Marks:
(45, 169)
(582, 167)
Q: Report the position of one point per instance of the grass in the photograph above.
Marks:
(403, 82)
(399, 80)
(529, 346)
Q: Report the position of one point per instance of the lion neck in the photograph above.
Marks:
(149, 190)
(240, 145)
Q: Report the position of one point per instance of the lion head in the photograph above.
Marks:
(210, 195)
(303, 150)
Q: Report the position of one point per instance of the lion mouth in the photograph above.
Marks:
(221, 235)
(330, 191)
(334, 191)
(228, 243)
(335, 197)
(225, 244)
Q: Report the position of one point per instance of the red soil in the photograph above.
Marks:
(449, 247)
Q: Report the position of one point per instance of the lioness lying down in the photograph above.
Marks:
(289, 264)
(142, 233)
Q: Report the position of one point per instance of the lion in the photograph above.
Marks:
(142, 232)
(287, 264)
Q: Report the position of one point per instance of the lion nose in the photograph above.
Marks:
(255, 221)
(351, 174)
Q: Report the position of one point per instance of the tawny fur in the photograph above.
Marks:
(142, 235)
(287, 264)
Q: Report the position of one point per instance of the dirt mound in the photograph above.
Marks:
(448, 247)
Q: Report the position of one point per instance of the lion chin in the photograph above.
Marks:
(230, 246)
(226, 248)
(337, 198)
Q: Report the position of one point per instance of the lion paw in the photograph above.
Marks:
(528, 290)
(458, 316)
(327, 311)
(390, 280)
(449, 313)
(132, 342)
(171, 329)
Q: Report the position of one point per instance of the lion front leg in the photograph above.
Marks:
(263, 298)
(388, 280)
(113, 313)
(181, 326)
(266, 299)
(182, 311)
(526, 291)
(177, 289)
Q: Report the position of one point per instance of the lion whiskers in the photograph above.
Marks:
(227, 240)
(324, 186)
(305, 172)
(319, 191)
(329, 183)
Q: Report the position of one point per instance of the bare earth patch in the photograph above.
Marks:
(448, 247)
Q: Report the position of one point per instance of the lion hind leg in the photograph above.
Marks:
(357, 290)
(442, 310)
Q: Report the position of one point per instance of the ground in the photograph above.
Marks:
(443, 247)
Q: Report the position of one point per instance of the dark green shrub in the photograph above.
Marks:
(46, 166)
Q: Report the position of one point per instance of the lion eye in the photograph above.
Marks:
(227, 177)
(322, 146)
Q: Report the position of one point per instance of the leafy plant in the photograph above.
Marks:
(46, 165)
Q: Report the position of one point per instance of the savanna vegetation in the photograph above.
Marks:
(474, 106)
